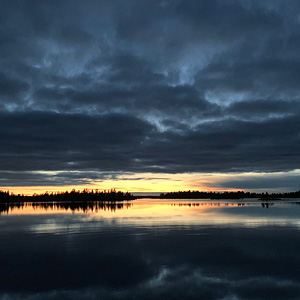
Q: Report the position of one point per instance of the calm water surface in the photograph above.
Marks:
(151, 249)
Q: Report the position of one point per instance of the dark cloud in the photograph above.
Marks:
(288, 182)
(260, 109)
(171, 86)
(38, 178)
(49, 141)
(11, 87)
(124, 143)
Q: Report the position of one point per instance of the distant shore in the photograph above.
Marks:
(239, 195)
(113, 196)
(73, 196)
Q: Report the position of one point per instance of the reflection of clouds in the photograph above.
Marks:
(158, 213)
(90, 256)
(182, 283)
(266, 288)
(194, 283)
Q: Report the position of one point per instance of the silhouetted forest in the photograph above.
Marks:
(78, 196)
(228, 195)
(112, 195)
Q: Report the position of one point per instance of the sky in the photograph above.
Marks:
(149, 96)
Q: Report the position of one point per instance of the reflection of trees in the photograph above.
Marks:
(210, 204)
(266, 205)
(74, 207)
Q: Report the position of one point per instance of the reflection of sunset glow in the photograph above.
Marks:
(156, 212)
(62, 208)
(159, 207)
(143, 182)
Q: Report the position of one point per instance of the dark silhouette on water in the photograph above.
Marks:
(266, 205)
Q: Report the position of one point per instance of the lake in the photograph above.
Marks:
(151, 249)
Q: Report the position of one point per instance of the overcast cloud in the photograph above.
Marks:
(148, 86)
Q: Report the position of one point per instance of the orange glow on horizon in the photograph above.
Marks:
(156, 183)
(29, 191)
(146, 183)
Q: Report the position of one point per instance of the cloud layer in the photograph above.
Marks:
(170, 86)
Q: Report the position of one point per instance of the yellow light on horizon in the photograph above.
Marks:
(155, 183)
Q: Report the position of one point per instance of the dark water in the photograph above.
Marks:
(150, 249)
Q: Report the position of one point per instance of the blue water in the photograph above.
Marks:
(151, 249)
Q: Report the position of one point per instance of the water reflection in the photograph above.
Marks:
(152, 250)
(61, 207)
(263, 204)
(160, 212)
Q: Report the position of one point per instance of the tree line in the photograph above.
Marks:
(227, 195)
(84, 195)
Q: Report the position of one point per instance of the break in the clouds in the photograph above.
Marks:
(148, 86)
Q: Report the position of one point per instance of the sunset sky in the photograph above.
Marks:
(149, 96)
